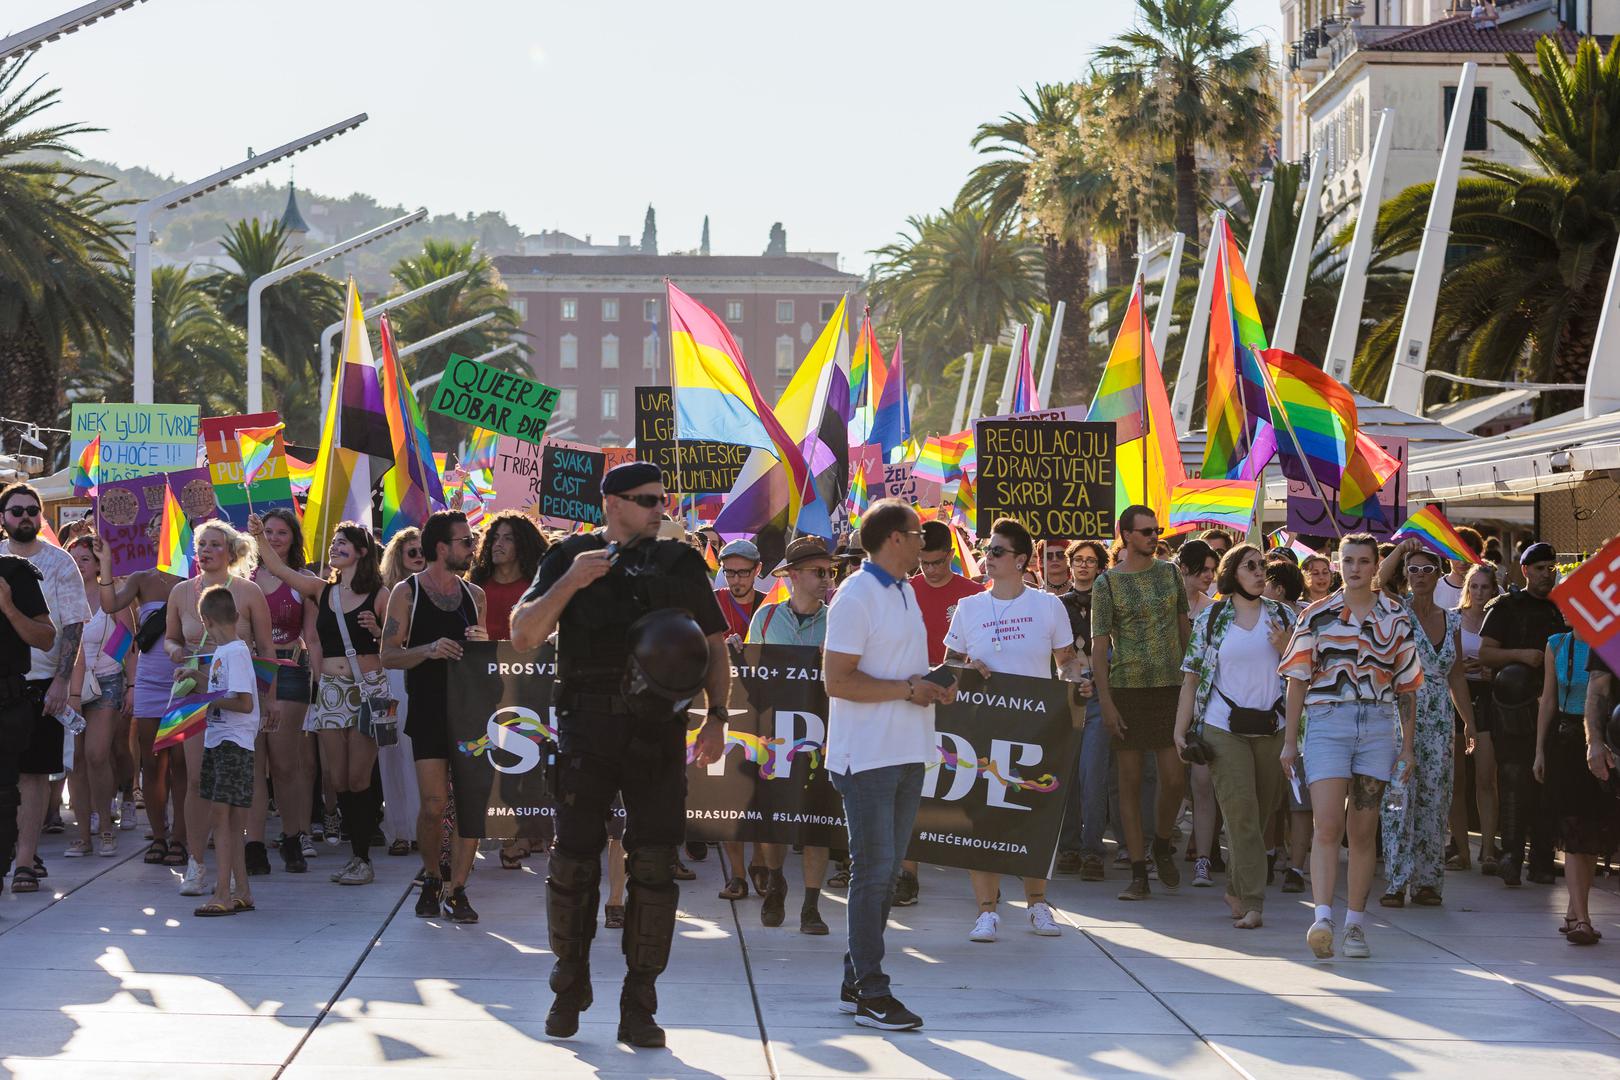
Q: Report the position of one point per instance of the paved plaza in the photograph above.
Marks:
(108, 975)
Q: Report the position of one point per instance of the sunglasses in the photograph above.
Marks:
(996, 551)
(1148, 532)
(646, 502)
(1423, 570)
(820, 572)
(23, 511)
(413, 553)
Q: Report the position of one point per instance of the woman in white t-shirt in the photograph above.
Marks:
(1015, 630)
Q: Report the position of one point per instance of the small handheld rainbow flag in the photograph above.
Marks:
(184, 720)
(710, 559)
(1212, 502)
(858, 499)
(1430, 526)
(779, 590)
(118, 642)
(1282, 538)
(257, 446)
(86, 473)
(174, 554)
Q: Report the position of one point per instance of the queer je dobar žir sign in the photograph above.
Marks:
(690, 466)
(136, 440)
(498, 400)
(1590, 601)
(1055, 476)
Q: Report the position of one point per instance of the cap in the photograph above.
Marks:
(629, 476)
(1540, 551)
(742, 549)
(804, 549)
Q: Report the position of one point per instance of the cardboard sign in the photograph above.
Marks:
(1055, 476)
(502, 732)
(487, 397)
(571, 482)
(690, 466)
(271, 488)
(136, 440)
(1590, 601)
(1064, 412)
(516, 473)
(129, 513)
(1308, 516)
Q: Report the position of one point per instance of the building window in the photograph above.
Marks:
(649, 310)
(568, 352)
(519, 307)
(610, 351)
(570, 309)
(1474, 138)
(827, 309)
(610, 403)
(784, 355)
(567, 402)
(610, 311)
(734, 311)
(784, 311)
(649, 352)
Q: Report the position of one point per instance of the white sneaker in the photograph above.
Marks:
(126, 816)
(985, 928)
(1320, 938)
(109, 845)
(1042, 921)
(78, 849)
(192, 884)
(307, 845)
(337, 875)
(358, 872)
(1355, 943)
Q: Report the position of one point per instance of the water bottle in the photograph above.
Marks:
(1395, 793)
(72, 719)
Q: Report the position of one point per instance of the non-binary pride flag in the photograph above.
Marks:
(1430, 527)
(174, 547)
(86, 473)
(1212, 502)
(256, 446)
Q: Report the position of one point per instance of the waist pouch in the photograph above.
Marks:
(151, 628)
(1252, 722)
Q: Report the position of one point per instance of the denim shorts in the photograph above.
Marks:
(112, 693)
(1351, 738)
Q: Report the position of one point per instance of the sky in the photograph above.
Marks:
(838, 119)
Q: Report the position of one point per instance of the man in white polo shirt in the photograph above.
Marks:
(880, 735)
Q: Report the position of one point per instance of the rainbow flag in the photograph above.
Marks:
(300, 475)
(779, 591)
(86, 473)
(481, 450)
(891, 420)
(1238, 418)
(174, 548)
(963, 559)
(1283, 538)
(1316, 410)
(257, 446)
(1430, 526)
(184, 720)
(1119, 391)
(1368, 470)
(710, 559)
(965, 508)
(118, 642)
(1024, 398)
(867, 373)
(1147, 456)
(858, 499)
(411, 490)
(940, 460)
(1229, 503)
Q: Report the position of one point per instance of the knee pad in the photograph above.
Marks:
(571, 873)
(651, 866)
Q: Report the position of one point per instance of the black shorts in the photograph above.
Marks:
(292, 680)
(430, 736)
(43, 755)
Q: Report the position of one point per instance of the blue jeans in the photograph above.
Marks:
(880, 806)
(1085, 811)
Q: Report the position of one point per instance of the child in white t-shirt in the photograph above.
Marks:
(227, 764)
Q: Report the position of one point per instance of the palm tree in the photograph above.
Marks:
(1520, 301)
(479, 293)
(60, 251)
(1198, 84)
(294, 311)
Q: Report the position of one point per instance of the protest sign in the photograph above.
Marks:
(129, 513)
(1590, 601)
(1054, 476)
(1307, 515)
(487, 397)
(571, 482)
(271, 488)
(994, 801)
(516, 475)
(502, 731)
(1062, 412)
(690, 466)
(136, 440)
(769, 786)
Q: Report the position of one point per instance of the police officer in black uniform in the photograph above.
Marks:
(638, 633)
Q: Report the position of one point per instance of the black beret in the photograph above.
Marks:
(630, 475)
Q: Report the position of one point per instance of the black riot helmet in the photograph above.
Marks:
(669, 658)
(1516, 685)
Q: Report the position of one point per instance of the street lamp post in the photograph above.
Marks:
(255, 344)
(68, 22)
(444, 335)
(372, 312)
(141, 256)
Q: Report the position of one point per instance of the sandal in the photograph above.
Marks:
(1583, 933)
(839, 878)
(39, 868)
(241, 904)
(400, 847)
(613, 916)
(760, 875)
(1393, 899)
(213, 909)
(736, 889)
(24, 880)
(1427, 896)
(176, 856)
(511, 862)
(681, 872)
(156, 853)
(1570, 924)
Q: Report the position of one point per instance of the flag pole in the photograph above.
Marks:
(1278, 412)
(1141, 354)
(674, 391)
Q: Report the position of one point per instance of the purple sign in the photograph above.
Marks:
(129, 513)
(1307, 515)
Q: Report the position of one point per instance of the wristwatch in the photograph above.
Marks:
(719, 712)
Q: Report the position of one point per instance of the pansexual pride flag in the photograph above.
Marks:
(174, 548)
(1432, 529)
(1229, 503)
(87, 470)
(1238, 417)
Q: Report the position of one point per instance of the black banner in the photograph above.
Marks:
(704, 467)
(502, 731)
(770, 787)
(1054, 476)
(571, 482)
(994, 801)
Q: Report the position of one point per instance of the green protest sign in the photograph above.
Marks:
(487, 397)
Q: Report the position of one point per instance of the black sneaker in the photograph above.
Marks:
(774, 910)
(256, 858)
(811, 922)
(1293, 881)
(456, 907)
(427, 903)
(906, 889)
(1091, 868)
(848, 1001)
(1137, 889)
(292, 854)
(696, 851)
(1164, 861)
(887, 1014)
